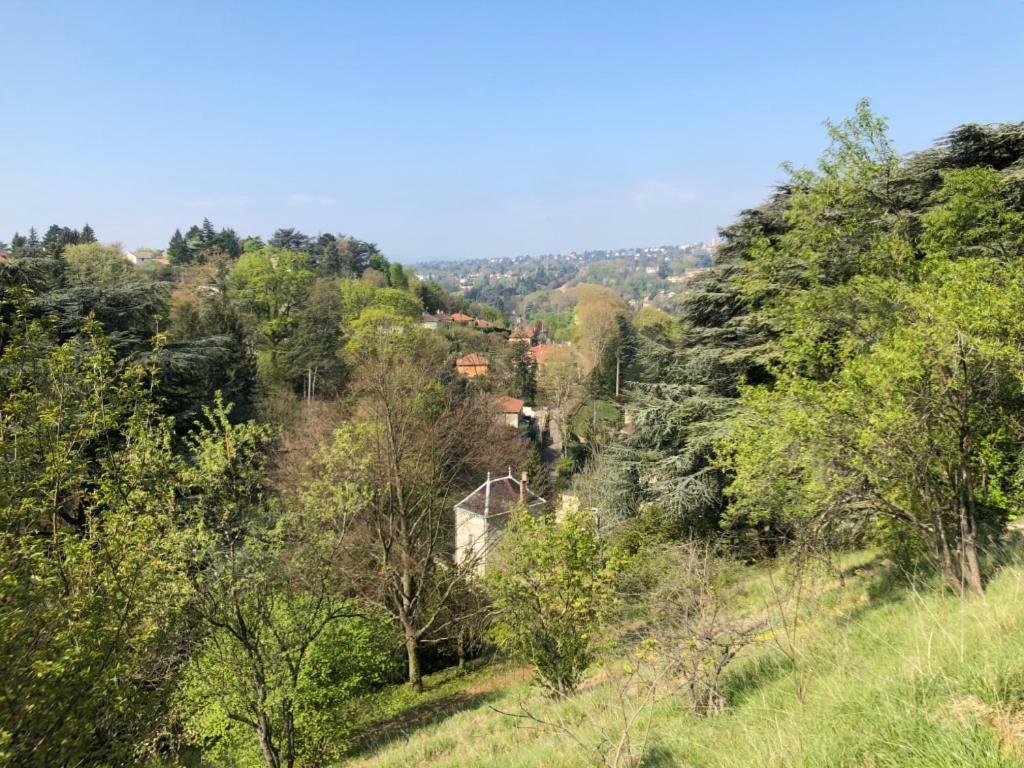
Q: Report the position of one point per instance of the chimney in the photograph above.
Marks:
(487, 496)
(522, 487)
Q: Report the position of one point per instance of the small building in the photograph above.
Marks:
(509, 411)
(461, 318)
(482, 516)
(472, 365)
(141, 257)
(433, 321)
(530, 334)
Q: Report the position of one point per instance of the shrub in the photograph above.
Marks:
(552, 585)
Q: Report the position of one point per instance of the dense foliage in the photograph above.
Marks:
(849, 368)
(229, 469)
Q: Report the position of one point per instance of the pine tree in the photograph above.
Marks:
(53, 240)
(69, 236)
(228, 241)
(209, 233)
(194, 242)
(177, 249)
(87, 234)
(290, 239)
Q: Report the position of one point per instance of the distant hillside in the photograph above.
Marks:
(651, 275)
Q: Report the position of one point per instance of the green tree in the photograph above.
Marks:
(196, 242)
(522, 366)
(552, 586)
(271, 284)
(208, 233)
(397, 277)
(559, 386)
(972, 216)
(228, 242)
(916, 436)
(274, 604)
(289, 239)
(95, 264)
(312, 355)
(93, 555)
(399, 302)
(178, 252)
(357, 295)
(414, 445)
(88, 235)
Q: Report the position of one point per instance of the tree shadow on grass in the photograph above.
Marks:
(404, 724)
(742, 680)
(659, 757)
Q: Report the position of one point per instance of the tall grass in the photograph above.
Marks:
(876, 675)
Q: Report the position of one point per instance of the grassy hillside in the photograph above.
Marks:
(875, 674)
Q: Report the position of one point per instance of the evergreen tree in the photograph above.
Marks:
(228, 241)
(208, 233)
(87, 235)
(194, 241)
(18, 244)
(310, 355)
(178, 252)
(290, 239)
(53, 240)
(397, 276)
(523, 372)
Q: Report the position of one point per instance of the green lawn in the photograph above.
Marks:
(875, 675)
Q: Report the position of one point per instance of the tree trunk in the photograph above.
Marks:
(969, 567)
(461, 649)
(267, 745)
(412, 652)
(942, 548)
(289, 736)
(968, 534)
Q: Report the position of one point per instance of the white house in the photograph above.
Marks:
(138, 258)
(481, 517)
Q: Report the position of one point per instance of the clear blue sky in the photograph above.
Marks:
(451, 130)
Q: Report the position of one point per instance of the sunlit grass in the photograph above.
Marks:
(875, 675)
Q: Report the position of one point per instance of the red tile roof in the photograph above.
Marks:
(508, 405)
(458, 317)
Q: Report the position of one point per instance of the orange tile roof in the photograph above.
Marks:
(458, 317)
(472, 359)
(508, 404)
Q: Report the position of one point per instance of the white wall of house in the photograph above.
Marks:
(472, 538)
